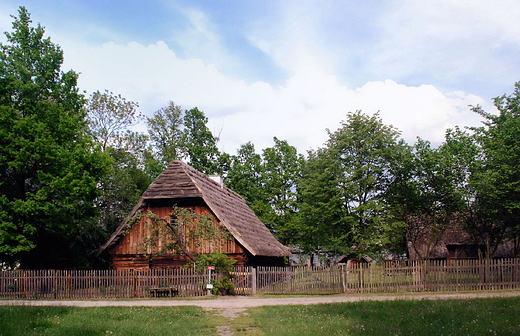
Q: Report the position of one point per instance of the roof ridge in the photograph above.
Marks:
(215, 209)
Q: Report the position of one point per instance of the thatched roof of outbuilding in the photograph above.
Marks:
(179, 180)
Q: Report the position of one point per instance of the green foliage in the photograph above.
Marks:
(223, 264)
(121, 187)
(245, 174)
(166, 133)
(344, 186)
(220, 261)
(496, 181)
(176, 135)
(201, 145)
(268, 184)
(49, 168)
(109, 117)
(432, 190)
(245, 177)
(282, 166)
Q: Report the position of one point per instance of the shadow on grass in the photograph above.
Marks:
(25, 320)
(497, 316)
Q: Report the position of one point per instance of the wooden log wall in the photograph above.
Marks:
(134, 242)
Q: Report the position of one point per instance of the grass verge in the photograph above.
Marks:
(495, 316)
(74, 321)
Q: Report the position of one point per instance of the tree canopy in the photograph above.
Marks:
(344, 185)
(49, 167)
(495, 181)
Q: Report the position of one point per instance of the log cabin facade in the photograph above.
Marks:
(249, 242)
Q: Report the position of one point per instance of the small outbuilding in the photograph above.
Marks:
(250, 243)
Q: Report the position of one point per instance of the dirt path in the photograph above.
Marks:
(251, 301)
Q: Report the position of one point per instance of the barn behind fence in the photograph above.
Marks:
(386, 277)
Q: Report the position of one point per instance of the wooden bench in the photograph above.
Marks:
(163, 291)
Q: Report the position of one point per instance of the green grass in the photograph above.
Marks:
(25, 320)
(494, 316)
(402, 317)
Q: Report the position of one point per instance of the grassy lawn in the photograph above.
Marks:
(495, 316)
(25, 320)
(498, 316)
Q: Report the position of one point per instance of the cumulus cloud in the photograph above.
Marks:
(299, 111)
(470, 45)
(291, 38)
(457, 43)
(308, 102)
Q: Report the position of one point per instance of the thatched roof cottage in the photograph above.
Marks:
(180, 185)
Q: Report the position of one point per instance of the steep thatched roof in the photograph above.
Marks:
(180, 180)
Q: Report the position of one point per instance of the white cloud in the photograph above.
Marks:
(466, 44)
(291, 38)
(200, 38)
(447, 41)
(457, 20)
(298, 111)
(419, 111)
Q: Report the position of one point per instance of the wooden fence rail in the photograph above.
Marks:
(392, 277)
(75, 284)
(387, 277)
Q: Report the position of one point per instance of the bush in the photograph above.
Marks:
(221, 281)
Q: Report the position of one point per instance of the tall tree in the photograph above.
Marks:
(201, 145)
(497, 181)
(344, 185)
(282, 165)
(245, 176)
(438, 194)
(49, 168)
(110, 117)
(165, 129)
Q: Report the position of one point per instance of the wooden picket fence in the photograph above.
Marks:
(299, 280)
(100, 284)
(386, 277)
(393, 277)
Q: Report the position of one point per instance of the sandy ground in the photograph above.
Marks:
(238, 302)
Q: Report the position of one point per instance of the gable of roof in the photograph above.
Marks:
(180, 180)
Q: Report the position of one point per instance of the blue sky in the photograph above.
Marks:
(292, 69)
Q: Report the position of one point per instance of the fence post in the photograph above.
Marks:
(253, 280)
(133, 282)
(69, 285)
(360, 277)
(343, 279)
(54, 279)
(481, 274)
